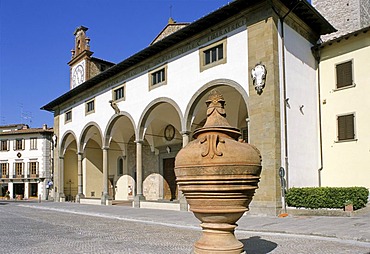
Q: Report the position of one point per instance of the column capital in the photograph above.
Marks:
(185, 132)
(139, 141)
(105, 148)
(61, 157)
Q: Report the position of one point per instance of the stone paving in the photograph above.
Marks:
(51, 227)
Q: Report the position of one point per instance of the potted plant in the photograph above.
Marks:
(348, 206)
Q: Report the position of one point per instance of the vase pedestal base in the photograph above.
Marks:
(218, 238)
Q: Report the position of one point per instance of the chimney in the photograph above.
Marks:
(44, 127)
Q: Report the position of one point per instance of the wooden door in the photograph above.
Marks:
(169, 185)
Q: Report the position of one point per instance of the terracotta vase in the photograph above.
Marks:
(218, 176)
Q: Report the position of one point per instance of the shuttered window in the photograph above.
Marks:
(344, 74)
(346, 127)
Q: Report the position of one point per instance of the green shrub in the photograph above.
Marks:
(327, 197)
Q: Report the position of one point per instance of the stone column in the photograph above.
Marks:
(105, 196)
(26, 190)
(185, 137)
(183, 203)
(62, 197)
(79, 178)
(264, 113)
(139, 173)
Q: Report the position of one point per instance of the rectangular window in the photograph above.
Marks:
(33, 143)
(346, 127)
(119, 93)
(68, 116)
(4, 145)
(33, 166)
(4, 170)
(90, 107)
(212, 55)
(19, 144)
(19, 170)
(158, 77)
(344, 74)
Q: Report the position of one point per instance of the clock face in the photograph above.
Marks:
(169, 132)
(78, 75)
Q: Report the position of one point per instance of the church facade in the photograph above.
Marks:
(120, 126)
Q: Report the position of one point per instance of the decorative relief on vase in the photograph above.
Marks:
(211, 142)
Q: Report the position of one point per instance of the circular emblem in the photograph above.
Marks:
(169, 132)
(19, 155)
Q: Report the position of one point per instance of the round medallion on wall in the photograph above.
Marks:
(169, 132)
(19, 155)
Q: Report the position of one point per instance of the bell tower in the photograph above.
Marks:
(82, 65)
(81, 55)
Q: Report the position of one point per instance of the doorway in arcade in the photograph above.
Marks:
(169, 186)
(18, 190)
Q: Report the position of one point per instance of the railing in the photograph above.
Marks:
(4, 176)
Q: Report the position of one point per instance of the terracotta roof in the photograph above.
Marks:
(343, 37)
(171, 27)
(27, 131)
(301, 8)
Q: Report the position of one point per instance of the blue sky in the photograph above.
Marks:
(36, 38)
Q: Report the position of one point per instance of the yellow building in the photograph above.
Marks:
(344, 80)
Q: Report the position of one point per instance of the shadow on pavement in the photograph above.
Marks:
(256, 245)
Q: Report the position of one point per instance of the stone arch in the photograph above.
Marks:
(119, 138)
(202, 91)
(65, 142)
(112, 121)
(161, 116)
(150, 107)
(91, 145)
(84, 134)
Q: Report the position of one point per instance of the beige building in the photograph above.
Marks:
(26, 161)
(344, 82)
(119, 131)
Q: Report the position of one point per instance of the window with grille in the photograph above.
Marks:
(90, 106)
(158, 77)
(4, 145)
(120, 166)
(33, 168)
(119, 93)
(68, 116)
(4, 170)
(212, 55)
(33, 143)
(346, 127)
(344, 74)
(19, 144)
(19, 169)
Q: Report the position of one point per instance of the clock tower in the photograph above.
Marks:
(81, 54)
(82, 65)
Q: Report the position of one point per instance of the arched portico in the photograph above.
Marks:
(119, 138)
(236, 106)
(159, 140)
(68, 170)
(90, 149)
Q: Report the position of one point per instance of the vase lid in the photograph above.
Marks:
(216, 117)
